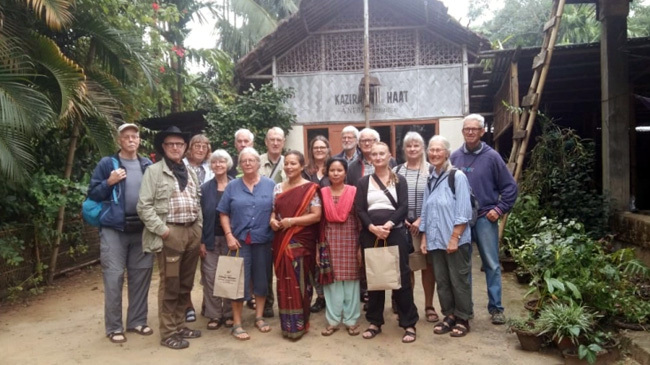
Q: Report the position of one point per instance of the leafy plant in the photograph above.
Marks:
(562, 320)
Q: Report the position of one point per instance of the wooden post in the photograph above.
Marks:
(366, 63)
(615, 102)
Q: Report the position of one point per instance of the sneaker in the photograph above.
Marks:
(498, 317)
(318, 306)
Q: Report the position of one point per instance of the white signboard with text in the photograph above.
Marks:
(427, 92)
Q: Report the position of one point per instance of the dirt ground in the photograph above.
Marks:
(65, 326)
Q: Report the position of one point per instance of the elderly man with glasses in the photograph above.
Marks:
(362, 166)
(350, 143)
(496, 191)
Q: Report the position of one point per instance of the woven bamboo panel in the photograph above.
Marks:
(379, 16)
(392, 49)
(304, 58)
(343, 51)
(436, 51)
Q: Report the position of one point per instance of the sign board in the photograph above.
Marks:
(415, 93)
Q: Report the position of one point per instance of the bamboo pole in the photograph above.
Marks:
(366, 64)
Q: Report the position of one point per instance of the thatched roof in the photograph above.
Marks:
(315, 14)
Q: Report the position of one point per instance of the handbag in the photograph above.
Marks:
(382, 267)
(229, 277)
(92, 210)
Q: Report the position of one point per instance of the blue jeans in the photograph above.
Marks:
(486, 236)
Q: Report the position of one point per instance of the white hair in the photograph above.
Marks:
(277, 130)
(371, 131)
(222, 155)
(416, 137)
(443, 141)
(351, 129)
(250, 151)
(250, 134)
(477, 117)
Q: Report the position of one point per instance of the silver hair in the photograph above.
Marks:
(371, 131)
(416, 137)
(244, 130)
(351, 129)
(277, 130)
(477, 117)
(222, 155)
(250, 151)
(442, 140)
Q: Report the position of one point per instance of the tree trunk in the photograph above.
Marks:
(60, 217)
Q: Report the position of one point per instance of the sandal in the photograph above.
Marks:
(141, 330)
(175, 342)
(188, 333)
(445, 326)
(353, 330)
(432, 316)
(460, 329)
(228, 322)
(408, 333)
(261, 325)
(373, 332)
(329, 330)
(239, 333)
(214, 324)
(190, 315)
(116, 337)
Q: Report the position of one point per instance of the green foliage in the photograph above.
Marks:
(562, 320)
(522, 221)
(257, 109)
(560, 175)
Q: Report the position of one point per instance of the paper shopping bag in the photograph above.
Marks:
(229, 278)
(382, 267)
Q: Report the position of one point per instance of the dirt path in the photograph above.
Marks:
(65, 326)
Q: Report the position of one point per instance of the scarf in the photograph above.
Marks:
(338, 213)
(179, 171)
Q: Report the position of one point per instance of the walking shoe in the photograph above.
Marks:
(318, 306)
(498, 317)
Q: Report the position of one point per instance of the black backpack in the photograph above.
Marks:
(472, 198)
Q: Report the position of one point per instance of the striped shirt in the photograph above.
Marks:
(417, 184)
(183, 205)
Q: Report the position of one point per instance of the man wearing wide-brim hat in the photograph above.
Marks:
(169, 206)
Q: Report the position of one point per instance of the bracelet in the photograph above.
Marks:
(456, 237)
(290, 223)
(227, 233)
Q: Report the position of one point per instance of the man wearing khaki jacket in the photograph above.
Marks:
(169, 205)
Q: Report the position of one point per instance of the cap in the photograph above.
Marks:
(127, 125)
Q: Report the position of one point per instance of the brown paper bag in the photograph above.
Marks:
(382, 267)
(229, 278)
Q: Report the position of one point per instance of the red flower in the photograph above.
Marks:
(179, 50)
(155, 6)
(152, 157)
(161, 69)
(224, 143)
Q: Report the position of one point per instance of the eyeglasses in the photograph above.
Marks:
(436, 150)
(200, 146)
(348, 138)
(366, 141)
(248, 161)
(174, 144)
(471, 130)
(319, 148)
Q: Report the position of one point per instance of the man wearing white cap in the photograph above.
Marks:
(118, 177)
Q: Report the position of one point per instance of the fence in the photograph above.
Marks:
(68, 256)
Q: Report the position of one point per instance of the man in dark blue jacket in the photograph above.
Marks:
(118, 177)
(496, 192)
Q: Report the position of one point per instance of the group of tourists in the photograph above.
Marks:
(307, 220)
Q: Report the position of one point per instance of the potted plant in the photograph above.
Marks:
(527, 332)
(566, 323)
(598, 348)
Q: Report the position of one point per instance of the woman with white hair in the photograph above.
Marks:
(446, 238)
(213, 240)
(416, 170)
(245, 210)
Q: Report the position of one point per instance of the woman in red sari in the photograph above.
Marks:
(295, 220)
